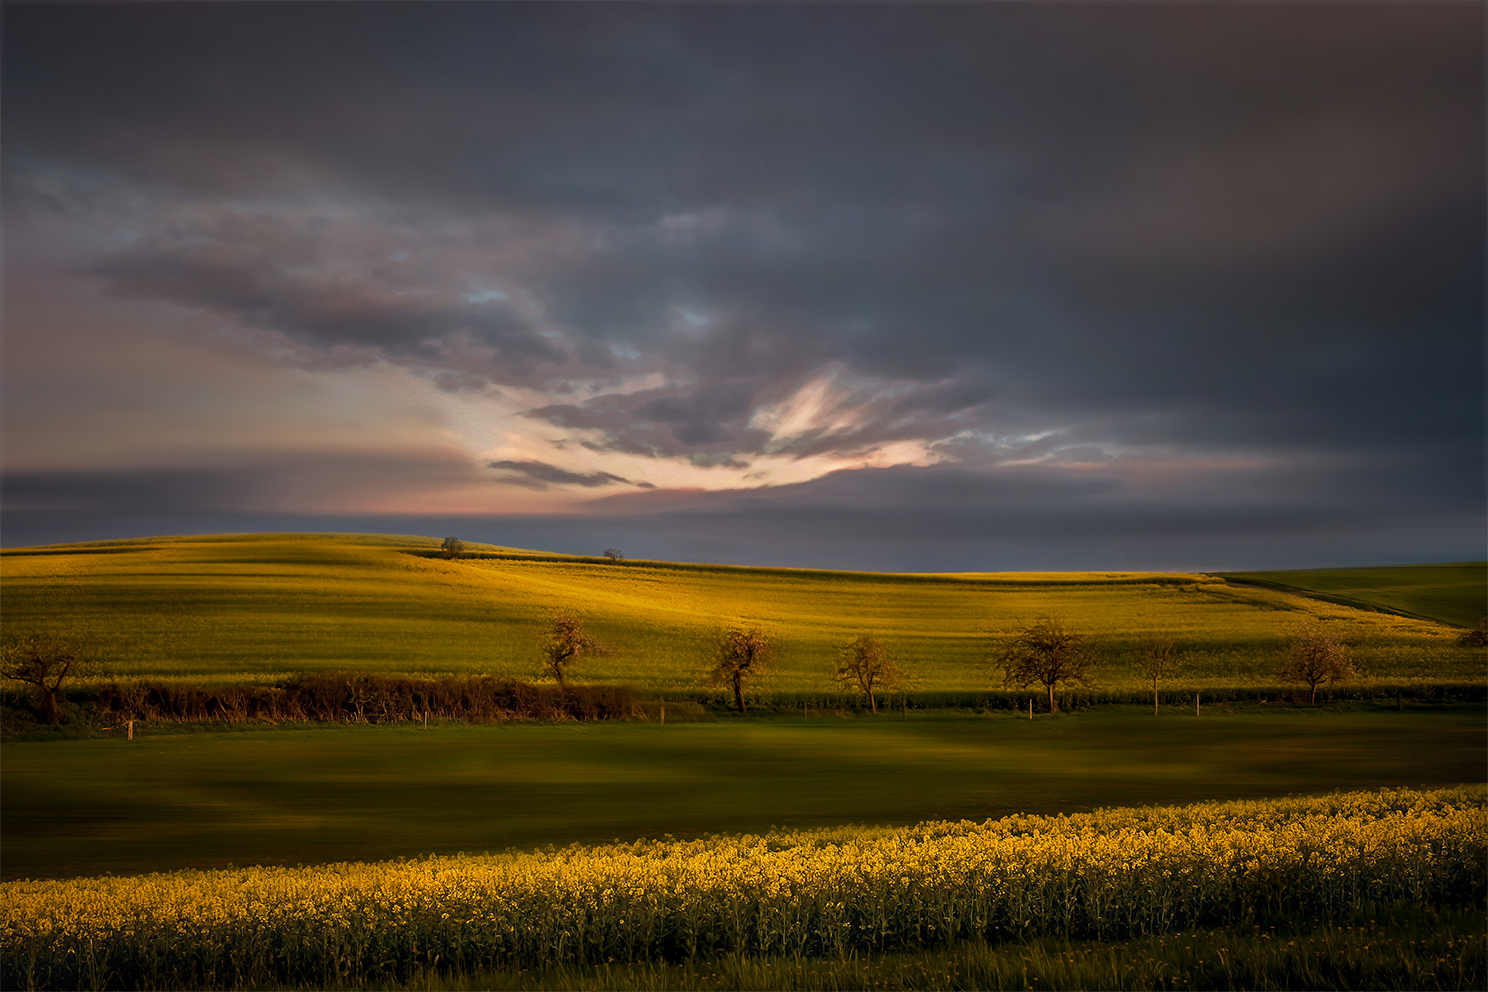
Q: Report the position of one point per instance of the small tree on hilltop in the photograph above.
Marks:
(1047, 654)
(614, 555)
(1316, 658)
(1157, 657)
(741, 656)
(864, 664)
(43, 663)
(453, 547)
(1476, 637)
(564, 643)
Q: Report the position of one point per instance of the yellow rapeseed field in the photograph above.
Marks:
(1108, 874)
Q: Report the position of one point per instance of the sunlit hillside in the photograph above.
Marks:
(256, 607)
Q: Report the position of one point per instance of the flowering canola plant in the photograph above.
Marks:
(1108, 874)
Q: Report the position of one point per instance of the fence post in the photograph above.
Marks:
(1196, 704)
(131, 730)
(1030, 709)
(663, 716)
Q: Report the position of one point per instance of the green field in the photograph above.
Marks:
(259, 607)
(1455, 593)
(299, 794)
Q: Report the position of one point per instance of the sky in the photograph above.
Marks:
(974, 286)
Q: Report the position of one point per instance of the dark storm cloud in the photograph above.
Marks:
(1030, 517)
(1004, 230)
(539, 475)
(130, 491)
(909, 519)
(705, 425)
(242, 483)
(710, 423)
(1109, 499)
(274, 275)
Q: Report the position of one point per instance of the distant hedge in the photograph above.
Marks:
(1007, 699)
(335, 697)
(342, 697)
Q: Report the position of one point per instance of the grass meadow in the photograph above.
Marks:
(1451, 593)
(176, 799)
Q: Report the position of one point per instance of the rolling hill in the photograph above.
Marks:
(1454, 593)
(257, 607)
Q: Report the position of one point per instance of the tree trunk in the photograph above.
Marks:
(1154, 697)
(49, 707)
(739, 691)
(1314, 694)
(872, 705)
(1051, 698)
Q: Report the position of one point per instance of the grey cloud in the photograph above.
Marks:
(538, 475)
(1046, 517)
(1205, 229)
(705, 423)
(709, 421)
(275, 276)
(935, 519)
(701, 418)
(451, 382)
(132, 491)
(242, 483)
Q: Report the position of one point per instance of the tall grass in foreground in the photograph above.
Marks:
(1109, 875)
(1411, 950)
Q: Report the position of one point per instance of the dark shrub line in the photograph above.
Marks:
(337, 697)
(1015, 699)
(341, 697)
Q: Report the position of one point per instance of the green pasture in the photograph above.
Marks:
(298, 794)
(259, 607)
(1452, 593)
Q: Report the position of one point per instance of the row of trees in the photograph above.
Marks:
(740, 656)
(1046, 653)
(1049, 654)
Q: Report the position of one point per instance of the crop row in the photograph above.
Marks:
(1109, 874)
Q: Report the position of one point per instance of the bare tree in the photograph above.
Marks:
(564, 643)
(453, 547)
(1316, 658)
(1157, 657)
(614, 555)
(741, 656)
(864, 664)
(43, 663)
(1048, 654)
